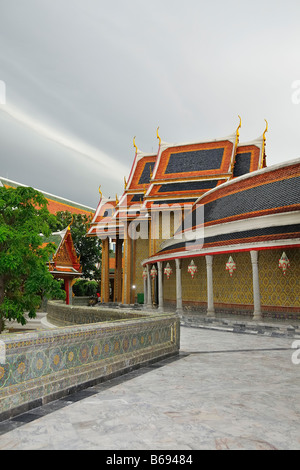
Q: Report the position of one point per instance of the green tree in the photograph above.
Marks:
(88, 248)
(24, 274)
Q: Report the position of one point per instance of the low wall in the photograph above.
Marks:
(48, 364)
(60, 314)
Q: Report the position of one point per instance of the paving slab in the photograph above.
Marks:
(224, 391)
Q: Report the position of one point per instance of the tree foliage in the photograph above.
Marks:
(24, 274)
(89, 249)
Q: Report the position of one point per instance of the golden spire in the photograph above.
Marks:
(134, 144)
(125, 183)
(117, 200)
(158, 136)
(264, 145)
(238, 132)
(69, 226)
(236, 144)
(100, 192)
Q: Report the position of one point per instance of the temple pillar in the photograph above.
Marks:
(105, 271)
(68, 289)
(127, 271)
(179, 309)
(145, 291)
(160, 287)
(256, 291)
(149, 292)
(118, 271)
(210, 292)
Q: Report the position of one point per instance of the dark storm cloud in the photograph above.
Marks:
(84, 76)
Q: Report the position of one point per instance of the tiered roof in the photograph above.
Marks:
(178, 174)
(259, 209)
(183, 172)
(104, 215)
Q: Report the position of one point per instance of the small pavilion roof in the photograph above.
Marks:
(64, 261)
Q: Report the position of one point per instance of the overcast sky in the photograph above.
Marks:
(83, 77)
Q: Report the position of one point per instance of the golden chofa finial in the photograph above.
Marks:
(125, 183)
(100, 192)
(72, 220)
(151, 174)
(117, 200)
(266, 129)
(263, 156)
(134, 144)
(236, 144)
(158, 136)
(238, 129)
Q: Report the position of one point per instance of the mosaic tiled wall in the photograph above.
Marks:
(40, 365)
(60, 314)
(169, 285)
(194, 289)
(276, 288)
(238, 288)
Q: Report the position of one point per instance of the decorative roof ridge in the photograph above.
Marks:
(184, 179)
(102, 202)
(257, 142)
(139, 154)
(230, 137)
(251, 175)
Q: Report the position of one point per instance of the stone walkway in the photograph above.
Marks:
(224, 391)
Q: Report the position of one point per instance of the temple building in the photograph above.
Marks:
(64, 264)
(205, 226)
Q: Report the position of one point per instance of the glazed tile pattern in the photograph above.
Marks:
(46, 363)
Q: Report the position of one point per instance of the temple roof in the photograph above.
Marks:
(180, 174)
(259, 209)
(249, 157)
(200, 159)
(104, 214)
(141, 171)
(183, 172)
(55, 203)
(64, 262)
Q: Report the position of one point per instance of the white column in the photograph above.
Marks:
(160, 287)
(256, 292)
(210, 291)
(179, 309)
(149, 296)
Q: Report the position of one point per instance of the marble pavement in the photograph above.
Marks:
(224, 391)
